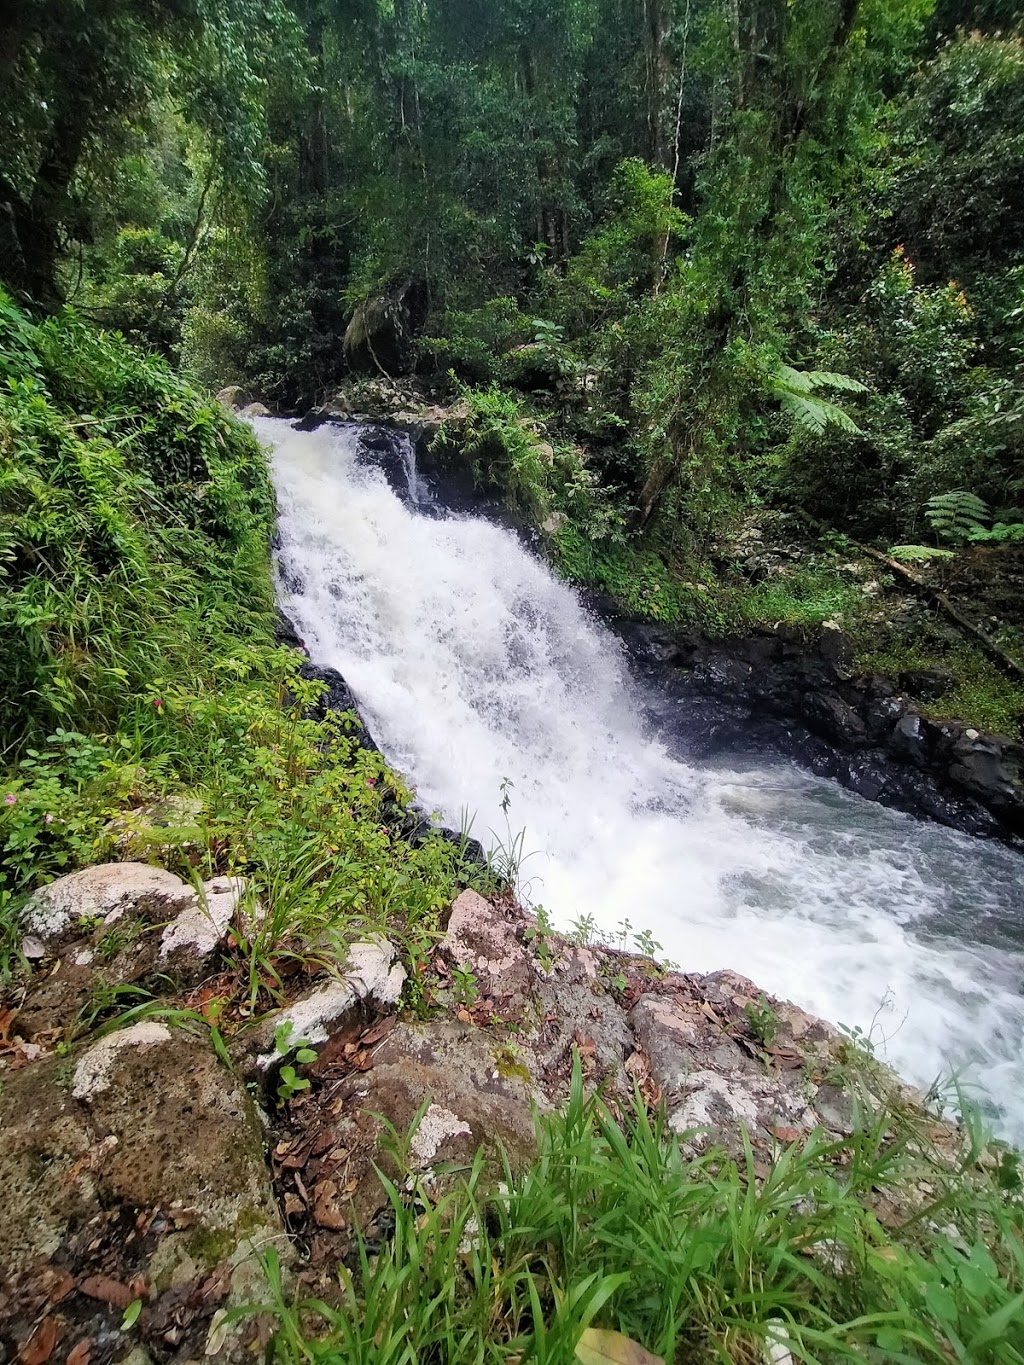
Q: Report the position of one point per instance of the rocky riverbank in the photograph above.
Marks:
(150, 1168)
(797, 692)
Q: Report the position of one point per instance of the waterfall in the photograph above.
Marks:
(474, 664)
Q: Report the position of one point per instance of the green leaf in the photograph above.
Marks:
(996, 1324)
(599, 1347)
(131, 1315)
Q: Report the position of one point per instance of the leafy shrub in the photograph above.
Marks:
(475, 342)
(134, 526)
(137, 611)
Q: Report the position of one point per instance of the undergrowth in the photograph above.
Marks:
(877, 1246)
(137, 611)
(980, 694)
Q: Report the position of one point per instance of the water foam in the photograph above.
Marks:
(474, 664)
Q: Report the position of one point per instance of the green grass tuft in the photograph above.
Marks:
(874, 1247)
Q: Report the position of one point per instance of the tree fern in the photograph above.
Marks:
(957, 515)
(795, 392)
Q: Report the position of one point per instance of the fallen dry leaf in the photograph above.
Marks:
(39, 1347)
(80, 1353)
(784, 1133)
(597, 1347)
(293, 1205)
(379, 1032)
(57, 1283)
(325, 1211)
(107, 1290)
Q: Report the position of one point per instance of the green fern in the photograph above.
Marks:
(795, 392)
(917, 554)
(1001, 533)
(957, 515)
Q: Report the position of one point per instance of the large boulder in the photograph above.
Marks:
(134, 1170)
(105, 893)
(117, 924)
(463, 1089)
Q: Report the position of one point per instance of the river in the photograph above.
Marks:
(474, 665)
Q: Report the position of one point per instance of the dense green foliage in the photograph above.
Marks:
(696, 1258)
(141, 668)
(724, 251)
(134, 519)
(682, 262)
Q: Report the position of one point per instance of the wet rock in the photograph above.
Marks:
(927, 684)
(788, 691)
(143, 1119)
(233, 396)
(256, 410)
(479, 939)
(338, 698)
(106, 893)
(910, 737)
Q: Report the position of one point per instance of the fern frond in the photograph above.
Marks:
(816, 414)
(827, 379)
(957, 514)
(914, 554)
(806, 381)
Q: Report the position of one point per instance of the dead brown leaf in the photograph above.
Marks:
(784, 1133)
(39, 1347)
(325, 1210)
(57, 1283)
(107, 1290)
(80, 1353)
(598, 1347)
(379, 1031)
(786, 1058)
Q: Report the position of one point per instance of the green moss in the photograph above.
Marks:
(982, 695)
(642, 582)
(805, 597)
(509, 1065)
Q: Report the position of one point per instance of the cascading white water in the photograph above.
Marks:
(474, 664)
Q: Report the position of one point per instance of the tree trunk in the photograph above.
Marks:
(39, 231)
(657, 22)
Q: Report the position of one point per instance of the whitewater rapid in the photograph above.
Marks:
(473, 664)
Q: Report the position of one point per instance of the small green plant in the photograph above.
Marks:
(464, 986)
(918, 554)
(538, 935)
(647, 943)
(290, 1083)
(761, 1020)
(584, 930)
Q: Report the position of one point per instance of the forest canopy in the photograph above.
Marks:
(725, 249)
